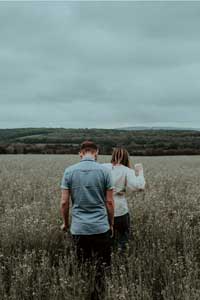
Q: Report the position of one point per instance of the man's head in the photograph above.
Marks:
(88, 148)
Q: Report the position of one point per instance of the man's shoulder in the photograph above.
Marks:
(105, 166)
(106, 169)
(71, 168)
(108, 166)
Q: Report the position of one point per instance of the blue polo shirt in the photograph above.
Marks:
(88, 182)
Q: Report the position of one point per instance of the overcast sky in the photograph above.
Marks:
(99, 64)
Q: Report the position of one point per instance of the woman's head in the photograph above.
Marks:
(121, 156)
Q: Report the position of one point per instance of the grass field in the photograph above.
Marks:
(163, 260)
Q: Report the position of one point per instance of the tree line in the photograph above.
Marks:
(67, 141)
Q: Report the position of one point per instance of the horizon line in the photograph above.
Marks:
(107, 128)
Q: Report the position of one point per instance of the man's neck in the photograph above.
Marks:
(88, 155)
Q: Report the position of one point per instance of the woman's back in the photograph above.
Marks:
(123, 178)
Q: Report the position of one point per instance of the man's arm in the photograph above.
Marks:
(110, 207)
(64, 207)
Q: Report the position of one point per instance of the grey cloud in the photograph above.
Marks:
(99, 64)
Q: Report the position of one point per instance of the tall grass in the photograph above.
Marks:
(163, 258)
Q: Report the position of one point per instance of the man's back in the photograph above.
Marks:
(88, 182)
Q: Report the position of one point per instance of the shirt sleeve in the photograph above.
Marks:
(135, 182)
(65, 181)
(109, 181)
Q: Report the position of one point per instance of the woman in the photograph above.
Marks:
(123, 177)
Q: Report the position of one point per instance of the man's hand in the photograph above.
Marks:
(110, 207)
(64, 227)
(64, 207)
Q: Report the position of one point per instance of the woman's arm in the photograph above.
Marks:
(135, 182)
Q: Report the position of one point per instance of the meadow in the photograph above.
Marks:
(36, 258)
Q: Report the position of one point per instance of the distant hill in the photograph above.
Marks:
(134, 128)
(137, 140)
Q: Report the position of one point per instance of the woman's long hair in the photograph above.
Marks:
(121, 156)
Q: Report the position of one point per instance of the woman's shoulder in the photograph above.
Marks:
(119, 167)
(127, 170)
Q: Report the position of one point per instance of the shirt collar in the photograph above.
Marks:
(90, 158)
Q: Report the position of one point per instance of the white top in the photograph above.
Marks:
(124, 177)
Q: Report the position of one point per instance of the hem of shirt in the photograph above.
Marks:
(110, 188)
(64, 187)
(87, 233)
(120, 215)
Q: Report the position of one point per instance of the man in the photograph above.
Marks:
(90, 187)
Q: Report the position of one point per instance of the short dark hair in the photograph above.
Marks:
(88, 146)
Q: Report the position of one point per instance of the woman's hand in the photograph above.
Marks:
(138, 169)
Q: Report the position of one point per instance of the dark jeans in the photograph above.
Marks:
(121, 231)
(96, 249)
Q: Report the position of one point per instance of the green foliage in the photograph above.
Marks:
(60, 140)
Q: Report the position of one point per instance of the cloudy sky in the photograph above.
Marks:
(99, 64)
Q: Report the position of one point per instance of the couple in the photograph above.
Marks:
(99, 207)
